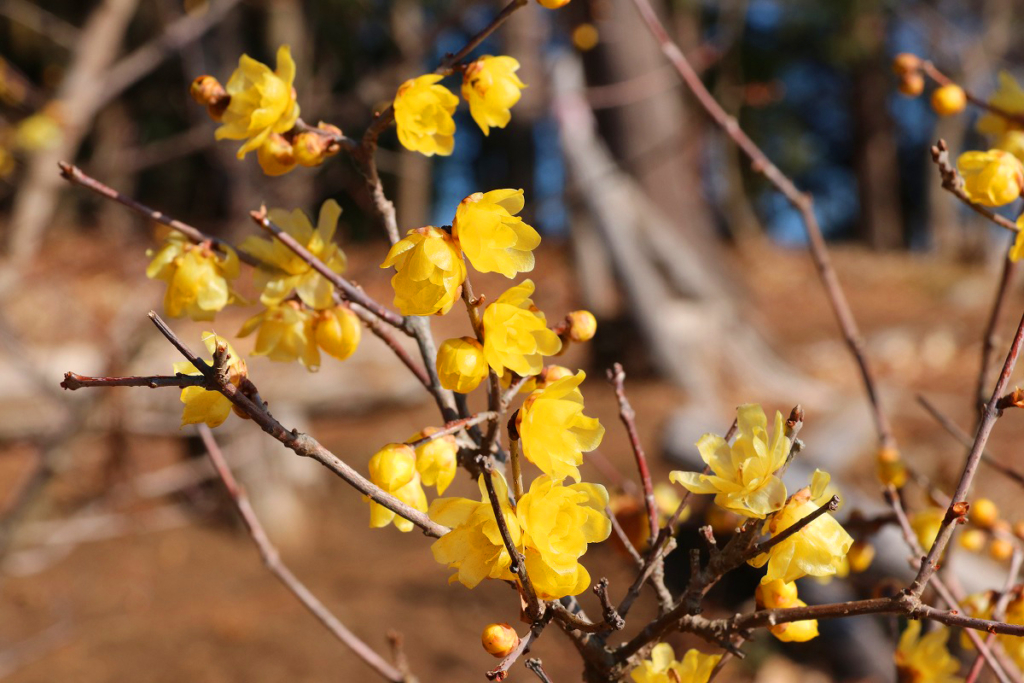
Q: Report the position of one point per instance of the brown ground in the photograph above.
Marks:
(194, 603)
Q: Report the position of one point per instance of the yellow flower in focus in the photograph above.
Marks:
(423, 114)
(437, 459)
(491, 88)
(554, 431)
(276, 155)
(781, 595)
(286, 334)
(991, 178)
(1010, 98)
(461, 365)
(663, 667)
(818, 549)
(197, 277)
(926, 524)
(393, 468)
(493, 238)
(283, 270)
(474, 545)
(262, 101)
(429, 272)
(338, 331)
(558, 522)
(202, 405)
(926, 659)
(516, 335)
(743, 475)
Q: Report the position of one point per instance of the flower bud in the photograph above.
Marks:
(553, 4)
(312, 148)
(338, 331)
(582, 326)
(911, 84)
(276, 155)
(393, 466)
(973, 540)
(776, 594)
(1000, 549)
(796, 631)
(905, 63)
(860, 556)
(949, 100)
(499, 639)
(984, 513)
(461, 365)
(890, 468)
(437, 459)
(207, 91)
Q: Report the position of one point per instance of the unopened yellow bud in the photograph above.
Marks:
(973, 540)
(585, 37)
(393, 466)
(911, 84)
(312, 148)
(499, 639)
(776, 594)
(207, 91)
(905, 63)
(338, 331)
(949, 100)
(461, 365)
(276, 155)
(890, 468)
(984, 513)
(437, 459)
(796, 631)
(1000, 549)
(860, 556)
(553, 4)
(582, 326)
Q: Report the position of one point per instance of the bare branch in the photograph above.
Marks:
(73, 381)
(617, 377)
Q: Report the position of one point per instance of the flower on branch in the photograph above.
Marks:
(662, 667)
(926, 659)
(437, 459)
(393, 468)
(491, 88)
(1008, 97)
(461, 365)
(276, 155)
(198, 278)
(202, 405)
(548, 375)
(493, 238)
(262, 101)
(338, 331)
(423, 114)
(286, 334)
(429, 272)
(926, 524)
(516, 335)
(743, 475)
(779, 594)
(554, 431)
(991, 178)
(818, 549)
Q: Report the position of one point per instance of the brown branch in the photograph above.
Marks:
(272, 559)
(534, 608)
(454, 427)
(623, 538)
(954, 184)
(990, 338)
(617, 378)
(537, 668)
(831, 505)
(73, 381)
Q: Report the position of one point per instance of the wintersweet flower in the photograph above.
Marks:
(262, 101)
(980, 606)
(423, 114)
(202, 405)
(474, 545)
(437, 459)
(198, 278)
(558, 523)
(516, 335)
(491, 88)
(554, 431)
(393, 468)
(926, 659)
(286, 334)
(429, 272)
(276, 155)
(461, 365)
(781, 595)
(493, 238)
(743, 476)
(926, 524)
(991, 178)
(818, 549)
(338, 331)
(662, 667)
(1008, 97)
(284, 271)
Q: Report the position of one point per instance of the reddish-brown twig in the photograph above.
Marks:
(455, 427)
(272, 559)
(990, 338)
(499, 672)
(954, 184)
(537, 668)
(617, 377)
(73, 381)
(534, 609)
(930, 69)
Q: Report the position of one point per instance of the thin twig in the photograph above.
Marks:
(954, 184)
(990, 338)
(73, 381)
(617, 377)
(454, 427)
(831, 505)
(518, 567)
(942, 79)
(537, 668)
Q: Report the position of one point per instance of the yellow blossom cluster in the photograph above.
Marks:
(198, 277)
(663, 667)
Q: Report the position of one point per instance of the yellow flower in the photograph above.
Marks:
(437, 459)
(818, 549)
(662, 667)
(499, 640)
(991, 178)
(516, 334)
(1011, 141)
(393, 468)
(201, 405)
(39, 131)
(1010, 98)
(262, 101)
(554, 431)
(493, 238)
(338, 331)
(926, 524)
(461, 365)
(926, 659)
(781, 595)
(286, 334)
(474, 545)
(429, 272)
(284, 271)
(491, 88)
(743, 475)
(548, 375)
(197, 277)
(276, 155)
(558, 522)
(423, 114)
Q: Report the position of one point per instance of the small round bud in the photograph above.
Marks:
(585, 37)
(911, 84)
(393, 466)
(461, 365)
(984, 513)
(973, 540)
(582, 326)
(890, 468)
(499, 639)
(1018, 529)
(860, 556)
(1000, 549)
(207, 91)
(312, 148)
(949, 100)
(905, 63)
(552, 373)
(276, 155)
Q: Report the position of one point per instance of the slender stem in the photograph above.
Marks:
(73, 381)
(455, 427)
(760, 548)
(517, 470)
(617, 377)
(499, 672)
(533, 609)
(537, 668)
(990, 338)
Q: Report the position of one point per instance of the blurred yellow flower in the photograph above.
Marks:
(491, 88)
(393, 468)
(423, 114)
(39, 131)
(262, 101)
(198, 278)
(926, 659)
(276, 155)
(926, 524)
(338, 331)
(778, 594)
(516, 335)
(662, 667)
(437, 459)
(1010, 98)
(429, 272)
(286, 334)
(7, 163)
(743, 475)
(461, 365)
(991, 178)
(553, 4)
(283, 270)
(554, 431)
(201, 405)
(493, 238)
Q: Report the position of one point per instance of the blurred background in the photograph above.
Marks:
(120, 558)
